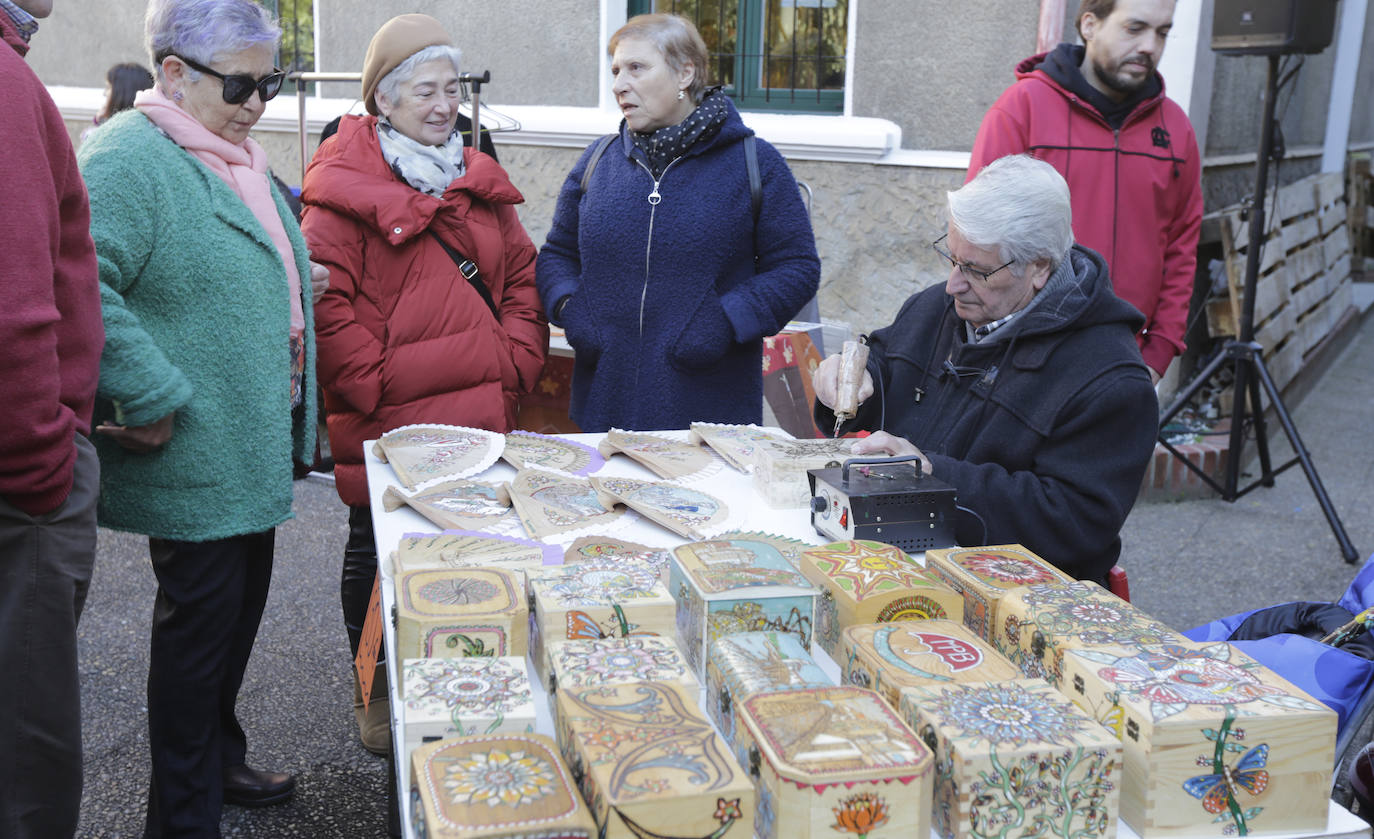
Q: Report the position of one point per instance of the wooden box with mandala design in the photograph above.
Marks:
(452, 697)
(1039, 623)
(890, 656)
(460, 613)
(871, 582)
(592, 599)
(507, 786)
(606, 661)
(650, 765)
(1015, 758)
(1214, 743)
(739, 583)
(985, 575)
(834, 762)
(740, 666)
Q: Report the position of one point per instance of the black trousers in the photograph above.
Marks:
(209, 603)
(359, 572)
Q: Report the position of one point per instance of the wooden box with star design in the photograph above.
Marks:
(1039, 623)
(1015, 758)
(593, 599)
(834, 761)
(984, 576)
(740, 666)
(890, 656)
(870, 582)
(608, 661)
(459, 613)
(504, 786)
(1213, 742)
(650, 765)
(739, 583)
(452, 697)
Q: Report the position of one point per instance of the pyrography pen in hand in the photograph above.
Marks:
(853, 361)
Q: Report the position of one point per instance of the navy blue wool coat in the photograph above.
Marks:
(668, 307)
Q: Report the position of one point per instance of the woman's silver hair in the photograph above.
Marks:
(677, 38)
(1018, 204)
(388, 88)
(205, 30)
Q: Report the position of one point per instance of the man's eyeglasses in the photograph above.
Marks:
(240, 86)
(970, 273)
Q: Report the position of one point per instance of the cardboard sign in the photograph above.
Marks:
(370, 644)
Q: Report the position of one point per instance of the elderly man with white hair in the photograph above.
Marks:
(1019, 382)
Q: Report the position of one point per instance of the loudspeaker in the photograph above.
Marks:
(1272, 27)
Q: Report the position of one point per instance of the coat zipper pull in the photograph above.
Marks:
(654, 197)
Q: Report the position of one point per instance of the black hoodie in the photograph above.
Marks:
(1064, 65)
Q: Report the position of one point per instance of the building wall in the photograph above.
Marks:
(1362, 116)
(83, 38)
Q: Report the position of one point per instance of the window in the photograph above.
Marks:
(297, 21)
(771, 55)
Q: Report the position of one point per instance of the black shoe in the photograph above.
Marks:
(249, 787)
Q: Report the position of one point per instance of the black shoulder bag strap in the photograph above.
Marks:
(751, 164)
(596, 156)
(468, 269)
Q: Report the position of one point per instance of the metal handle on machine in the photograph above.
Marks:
(844, 470)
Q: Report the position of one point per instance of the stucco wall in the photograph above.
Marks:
(82, 38)
(1238, 100)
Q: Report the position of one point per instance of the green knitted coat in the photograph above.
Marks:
(197, 320)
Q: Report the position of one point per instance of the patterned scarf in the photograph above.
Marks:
(667, 144)
(23, 21)
(430, 169)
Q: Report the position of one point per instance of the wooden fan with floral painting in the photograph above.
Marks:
(555, 506)
(420, 453)
(456, 504)
(734, 443)
(524, 449)
(690, 513)
(667, 458)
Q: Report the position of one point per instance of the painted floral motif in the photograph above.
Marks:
(616, 550)
(598, 582)
(1065, 794)
(524, 449)
(1093, 616)
(860, 814)
(1005, 568)
(462, 687)
(1005, 713)
(688, 506)
(568, 503)
(914, 608)
(458, 591)
(423, 452)
(500, 778)
(864, 568)
(618, 660)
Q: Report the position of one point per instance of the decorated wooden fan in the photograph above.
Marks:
(524, 449)
(604, 547)
(420, 453)
(469, 549)
(690, 513)
(455, 504)
(671, 459)
(554, 506)
(734, 443)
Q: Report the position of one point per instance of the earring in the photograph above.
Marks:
(681, 95)
(178, 96)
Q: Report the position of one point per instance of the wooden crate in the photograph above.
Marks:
(608, 661)
(1213, 743)
(740, 666)
(890, 656)
(460, 613)
(985, 574)
(453, 697)
(1016, 754)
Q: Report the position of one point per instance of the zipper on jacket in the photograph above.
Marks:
(654, 198)
(1116, 188)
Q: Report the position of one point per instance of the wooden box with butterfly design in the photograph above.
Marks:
(650, 765)
(890, 656)
(459, 613)
(834, 760)
(740, 666)
(452, 697)
(985, 575)
(592, 599)
(1015, 758)
(739, 583)
(505, 786)
(1213, 742)
(871, 582)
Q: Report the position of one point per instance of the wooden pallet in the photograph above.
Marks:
(1360, 211)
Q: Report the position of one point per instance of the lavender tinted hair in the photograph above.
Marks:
(389, 85)
(205, 30)
(1018, 204)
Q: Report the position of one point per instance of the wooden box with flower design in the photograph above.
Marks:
(506, 786)
(452, 697)
(1213, 742)
(739, 583)
(1015, 758)
(607, 661)
(740, 666)
(871, 582)
(1039, 623)
(649, 763)
(459, 613)
(592, 599)
(985, 575)
(832, 762)
(890, 656)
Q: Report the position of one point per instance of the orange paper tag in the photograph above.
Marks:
(370, 644)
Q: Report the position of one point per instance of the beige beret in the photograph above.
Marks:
(398, 39)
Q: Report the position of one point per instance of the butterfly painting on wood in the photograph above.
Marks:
(667, 458)
(687, 512)
(456, 504)
(524, 448)
(1217, 791)
(419, 453)
(583, 627)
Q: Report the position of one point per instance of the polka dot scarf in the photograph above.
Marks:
(665, 145)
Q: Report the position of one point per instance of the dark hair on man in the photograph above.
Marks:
(126, 80)
(1100, 9)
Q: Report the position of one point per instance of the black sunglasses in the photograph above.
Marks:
(240, 86)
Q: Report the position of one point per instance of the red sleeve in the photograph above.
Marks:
(1163, 338)
(522, 316)
(1003, 131)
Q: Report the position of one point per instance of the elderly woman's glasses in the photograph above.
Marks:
(240, 86)
(970, 273)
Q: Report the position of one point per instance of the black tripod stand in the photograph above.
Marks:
(1244, 356)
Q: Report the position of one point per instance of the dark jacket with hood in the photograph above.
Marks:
(1044, 428)
(1136, 185)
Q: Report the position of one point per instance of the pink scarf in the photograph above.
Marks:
(242, 167)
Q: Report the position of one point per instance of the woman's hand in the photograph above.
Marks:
(319, 281)
(143, 439)
(882, 443)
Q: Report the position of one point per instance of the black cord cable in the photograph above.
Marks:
(981, 523)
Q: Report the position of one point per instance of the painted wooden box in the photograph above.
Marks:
(596, 598)
(460, 613)
(870, 582)
(451, 697)
(505, 786)
(780, 467)
(649, 763)
(607, 661)
(890, 656)
(1213, 742)
(1039, 623)
(1015, 758)
(834, 760)
(985, 575)
(740, 666)
(738, 584)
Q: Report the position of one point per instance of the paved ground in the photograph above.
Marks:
(1188, 562)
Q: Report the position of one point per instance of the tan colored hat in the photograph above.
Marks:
(398, 39)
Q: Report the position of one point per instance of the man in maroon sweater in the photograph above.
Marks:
(50, 341)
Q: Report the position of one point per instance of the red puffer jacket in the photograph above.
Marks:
(402, 337)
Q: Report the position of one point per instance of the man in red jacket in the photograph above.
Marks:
(1098, 114)
(50, 341)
